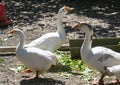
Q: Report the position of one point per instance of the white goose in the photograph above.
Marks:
(53, 40)
(99, 58)
(34, 58)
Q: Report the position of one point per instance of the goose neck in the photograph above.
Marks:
(86, 46)
(22, 40)
(60, 28)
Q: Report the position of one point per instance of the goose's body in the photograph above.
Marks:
(34, 58)
(107, 56)
(53, 40)
(99, 58)
(50, 41)
(115, 70)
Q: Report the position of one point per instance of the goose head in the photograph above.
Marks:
(83, 27)
(64, 10)
(14, 32)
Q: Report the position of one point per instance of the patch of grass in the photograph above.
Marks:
(1, 60)
(76, 66)
(20, 68)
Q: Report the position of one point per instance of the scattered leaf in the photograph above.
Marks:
(1, 60)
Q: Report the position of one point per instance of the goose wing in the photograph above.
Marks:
(49, 41)
(106, 56)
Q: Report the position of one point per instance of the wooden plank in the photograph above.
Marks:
(75, 51)
(7, 54)
(75, 42)
(113, 47)
(106, 41)
(12, 48)
(7, 48)
(96, 42)
(75, 45)
(64, 48)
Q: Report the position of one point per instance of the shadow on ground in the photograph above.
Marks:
(33, 9)
(42, 81)
(113, 84)
(105, 10)
(30, 11)
(60, 68)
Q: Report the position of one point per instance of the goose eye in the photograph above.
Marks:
(63, 9)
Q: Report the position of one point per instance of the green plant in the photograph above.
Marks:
(77, 65)
(118, 44)
(20, 68)
(1, 60)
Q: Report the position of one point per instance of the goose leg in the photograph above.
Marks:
(36, 75)
(101, 82)
(115, 81)
(26, 71)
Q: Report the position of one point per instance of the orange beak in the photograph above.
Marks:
(10, 33)
(68, 8)
(77, 25)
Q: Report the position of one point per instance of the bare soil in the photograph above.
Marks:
(36, 18)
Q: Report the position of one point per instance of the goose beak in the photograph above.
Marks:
(68, 8)
(76, 26)
(9, 34)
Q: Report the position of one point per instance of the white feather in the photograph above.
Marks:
(34, 58)
(53, 40)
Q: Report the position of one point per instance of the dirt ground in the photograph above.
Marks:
(55, 76)
(39, 17)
